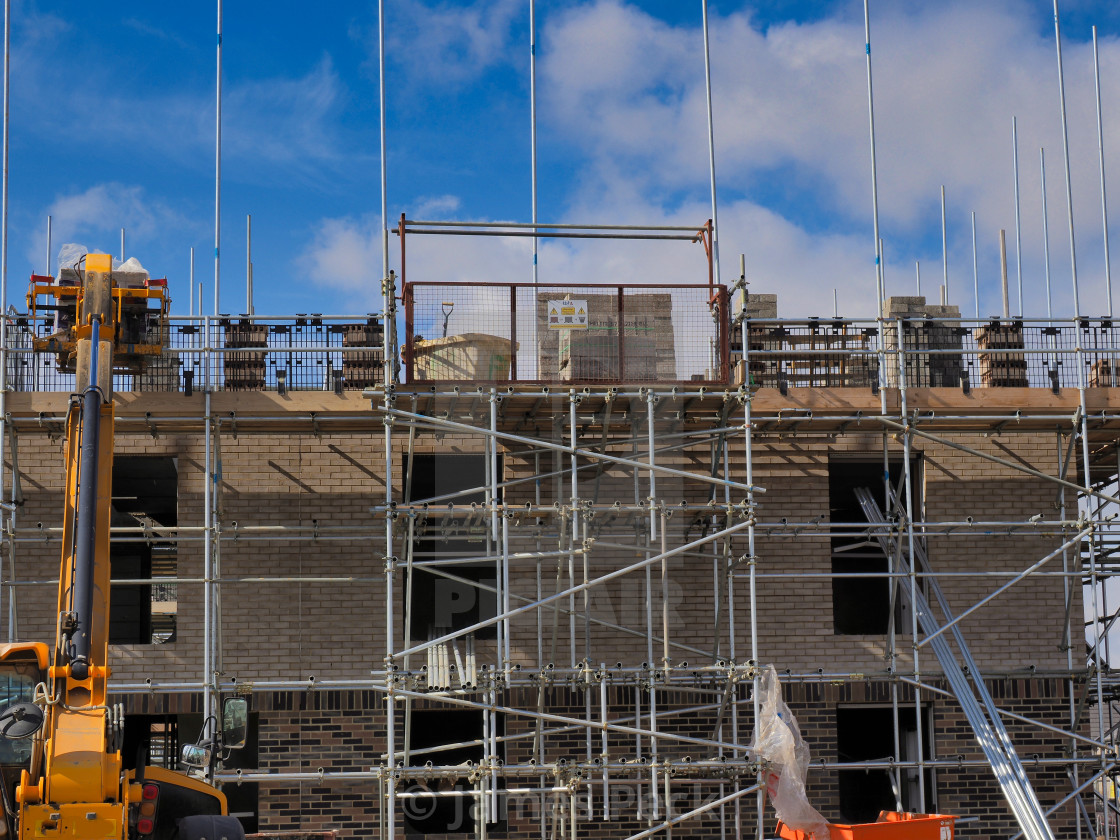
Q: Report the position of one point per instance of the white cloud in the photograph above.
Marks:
(95, 216)
(345, 255)
(290, 123)
(441, 207)
(282, 124)
(36, 30)
(451, 43)
(626, 91)
(148, 30)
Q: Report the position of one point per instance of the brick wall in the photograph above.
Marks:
(345, 731)
(334, 625)
(336, 629)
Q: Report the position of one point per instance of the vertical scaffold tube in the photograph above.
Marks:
(1018, 223)
(207, 556)
(880, 292)
(1104, 194)
(4, 270)
(711, 140)
(218, 168)
(908, 500)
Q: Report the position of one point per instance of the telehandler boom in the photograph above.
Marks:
(61, 735)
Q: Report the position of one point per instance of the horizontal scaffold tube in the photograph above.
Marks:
(578, 451)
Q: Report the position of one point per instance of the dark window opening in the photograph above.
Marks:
(153, 740)
(435, 475)
(156, 741)
(450, 595)
(145, 495)
(455, 813)
(444, 603)
(862, 605)
(243, 798)
(867, 734)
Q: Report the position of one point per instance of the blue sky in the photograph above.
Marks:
(112, 124)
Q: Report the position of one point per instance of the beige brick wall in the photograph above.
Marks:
(331, 628)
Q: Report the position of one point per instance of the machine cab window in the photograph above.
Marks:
(22, 667)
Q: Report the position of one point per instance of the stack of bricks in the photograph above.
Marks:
(762, 368)
(159, 373)
(1001, 369)
(1101, 374)
(927, 332)
(362, 369)
(244, 369)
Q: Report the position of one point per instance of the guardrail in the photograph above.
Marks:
(671, 335)
(566, 334)
(991, 353)
(303, 353)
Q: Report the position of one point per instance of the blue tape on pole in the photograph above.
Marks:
(219, 39)
(868, 48)
(215, 252)
(534, 259)
(876, 259)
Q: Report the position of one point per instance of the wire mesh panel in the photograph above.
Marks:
(813, 353)
(305, 353)
(668, 334)
(934, 353)
(566, 334)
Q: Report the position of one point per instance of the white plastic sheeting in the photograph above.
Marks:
(785, 756)
(70, 258)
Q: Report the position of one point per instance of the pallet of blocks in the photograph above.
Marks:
(244, 368)
(362, 368)
(1000, 367)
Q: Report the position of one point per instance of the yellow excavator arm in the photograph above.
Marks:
(72, 784)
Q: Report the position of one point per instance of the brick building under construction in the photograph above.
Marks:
(522, 581)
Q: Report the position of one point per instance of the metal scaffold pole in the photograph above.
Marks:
(1018, 228)
(218, 169)
(209, 479)
(1104, 193)
(711, 140)
(4, 293)
(533, 126)
(880, 292)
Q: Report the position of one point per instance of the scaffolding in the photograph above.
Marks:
(639, 546)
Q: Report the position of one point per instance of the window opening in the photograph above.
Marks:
(157, 740)
(862, 605)
(153, 739)
(866, 733)
(243, 797)
(452, 594)
(447, 814)
(145, 495)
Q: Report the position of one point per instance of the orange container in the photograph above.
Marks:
(891, 825)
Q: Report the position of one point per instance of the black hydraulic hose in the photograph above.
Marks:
(85, 534)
